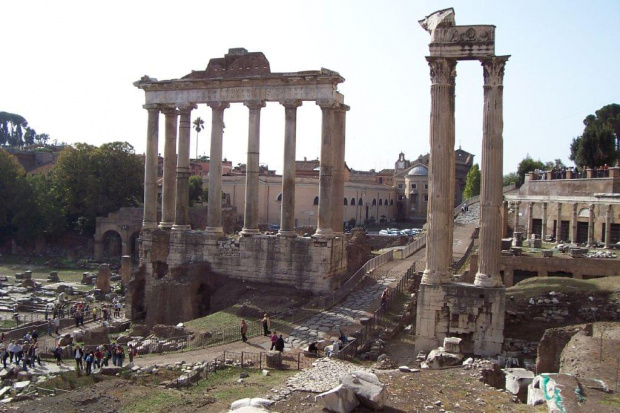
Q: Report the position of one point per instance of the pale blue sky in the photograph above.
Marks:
(68, 68)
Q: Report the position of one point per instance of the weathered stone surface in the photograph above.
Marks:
(517, 382)
(551, 345)
(273, 359)
(340, 399)
(439, 358)
(103, 278)
(367, 387)
(97, 335)
(65, 340)
(167, 331)
(110, 370)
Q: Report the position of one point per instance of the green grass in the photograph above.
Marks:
(71, 381)
(542, 285)
(612, 400)
(216, 321)
(164, 400)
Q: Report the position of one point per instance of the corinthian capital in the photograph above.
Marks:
(291, 104)
(443, 71)
(494, 70)
(255, 104)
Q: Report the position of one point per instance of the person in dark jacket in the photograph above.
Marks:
(280, 344)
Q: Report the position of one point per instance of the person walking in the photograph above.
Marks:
(274, 338)
(58, 355)
(56, 325)
(280, 344)
(89, 362)
(244, 331)
(266, 325)
(78, 355)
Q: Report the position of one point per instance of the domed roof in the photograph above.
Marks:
(419, 170)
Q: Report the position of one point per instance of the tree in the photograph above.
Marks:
(11, 176)
(93, 181)
(528, 165)
(12, 128)
(598, 145)
(198, 126)
(472, 182)
(511, 178)
(195, 189)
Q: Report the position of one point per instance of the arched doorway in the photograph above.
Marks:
(112, 245)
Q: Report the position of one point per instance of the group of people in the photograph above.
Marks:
(24, 351)
(97, 358)
(277, 342)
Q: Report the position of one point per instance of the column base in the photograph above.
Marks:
(166, 225)
(179, 227)
(324, 233)
(488, 281)
(214, 230)
(149, 225)
(248, 232)
(436, 277)
(286, 234)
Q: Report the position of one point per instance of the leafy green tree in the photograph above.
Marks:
(195, 189)
(11, 177)
(93, 182)
(12, 128)
(472, 182)
(528, 165)
(598, 145)
(511, 178)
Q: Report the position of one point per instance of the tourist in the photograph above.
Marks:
(274, 338)
(76, 316)
(78, 355)
(34, 335)
(343, 337)
(18, 353)
(280, 344)
(25, 356)
(244, 331)
(11, 349)
(266, 325)
(385, 296)
(89, 362)
(35, 355)
(120, 355)
(312, 348)
(106, 355)
(58, 355)
(114, 354)
(130, 352)
(56, 325)
(333, 349)
(94, 314)
(27, 336)
(98, 356)
(4, 353)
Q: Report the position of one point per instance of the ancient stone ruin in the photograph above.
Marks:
(474, 313)
(165, 291)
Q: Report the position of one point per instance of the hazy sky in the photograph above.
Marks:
(68, 68)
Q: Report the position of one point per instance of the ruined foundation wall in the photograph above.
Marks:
(475, 314)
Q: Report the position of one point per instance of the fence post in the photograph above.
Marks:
(242, 359)
(298, 360)
(260, 360)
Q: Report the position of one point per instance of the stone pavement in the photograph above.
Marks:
(362, 302)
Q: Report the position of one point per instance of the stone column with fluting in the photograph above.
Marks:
(287, 217)
(149, 221)
(250, 216)
(326, 174)
(170, 163)
(181, 220)
(491, 196)
(558, 225)
(543, 234)
(530, 220)
(516, 205)
(591, 225)
(440, 217)
(608, 215)
(573, 225)
(214, 212)
(340, 114)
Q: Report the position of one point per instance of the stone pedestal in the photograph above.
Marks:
(103, 278)
(125, 269)
(474, 314)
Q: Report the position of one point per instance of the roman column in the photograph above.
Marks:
(491, 175)
(558, 225)
(250, 216)
(287, 217)
(530, 220)
(608, 215)
(543, 233)
(181, 221)
(326, 174)
(338, 158)
(150, 168)
(573, 225)
(440, 214)
(214, 211)
(591, 225)
(516, 205)
(170, 162)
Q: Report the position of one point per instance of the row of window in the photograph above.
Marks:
(359, 202)
(413, 186)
